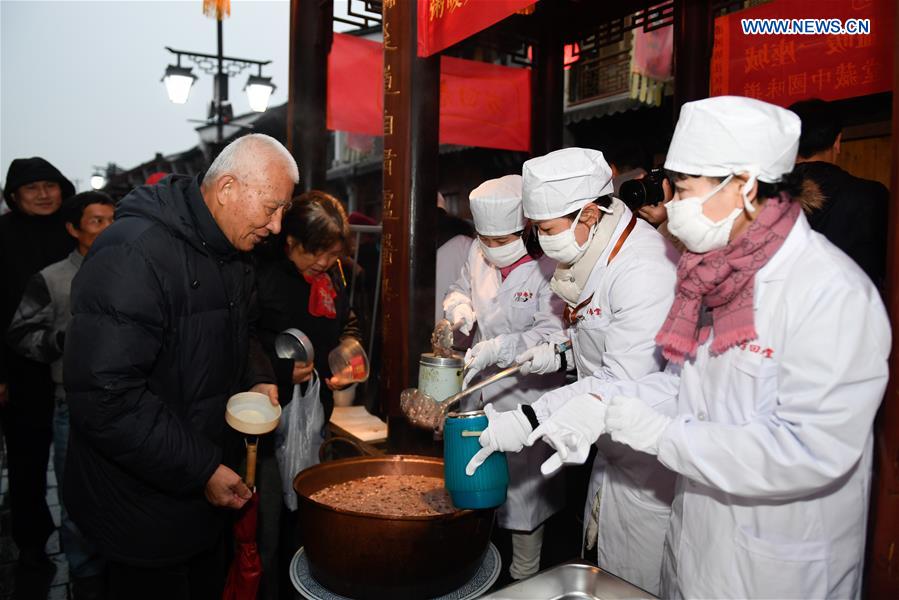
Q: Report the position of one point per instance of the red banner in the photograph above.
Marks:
(481, 104)
(784, 68)
(484, 105)
(442, 23)
(355, 85)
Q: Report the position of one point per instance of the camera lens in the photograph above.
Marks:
(633, 193)
(643, 192)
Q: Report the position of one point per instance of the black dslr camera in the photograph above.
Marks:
(643, 192)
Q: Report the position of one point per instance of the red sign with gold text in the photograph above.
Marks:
(442, 23)
(785, 68)
(481, 104)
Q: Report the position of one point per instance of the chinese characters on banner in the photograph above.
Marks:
(484, 105)
(442, 23)
(481, 104)
(783, 69)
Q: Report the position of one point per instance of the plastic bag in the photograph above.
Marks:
(299, 436)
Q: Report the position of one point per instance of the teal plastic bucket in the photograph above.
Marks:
(487, 487)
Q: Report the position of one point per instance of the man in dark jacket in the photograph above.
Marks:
(161, 336)
(854, 210)
(32, 236)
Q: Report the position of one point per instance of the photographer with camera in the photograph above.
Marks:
(646, 197)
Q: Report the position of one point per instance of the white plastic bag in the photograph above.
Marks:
(299, 436)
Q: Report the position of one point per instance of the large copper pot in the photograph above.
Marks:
(362, 555)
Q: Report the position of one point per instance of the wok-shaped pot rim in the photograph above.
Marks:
(339, 463)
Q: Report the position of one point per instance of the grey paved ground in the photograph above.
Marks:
(51, 583)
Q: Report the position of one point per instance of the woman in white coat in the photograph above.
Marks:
(506, 291)
(778, 345)
(616, 275)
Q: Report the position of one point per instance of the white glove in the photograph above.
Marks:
(495, 351)
(571, 430)
(631, 421)
(464, 313)
(453, 313)
(540, 359)
(506, 432)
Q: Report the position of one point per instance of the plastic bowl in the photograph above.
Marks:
(348, 361)
(252, 413)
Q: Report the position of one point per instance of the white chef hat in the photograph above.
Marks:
(563, 182)
(725, 135)
(496, 206)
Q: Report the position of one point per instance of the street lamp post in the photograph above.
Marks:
(179, 80)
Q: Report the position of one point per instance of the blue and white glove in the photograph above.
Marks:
(540, 359)
(498, 351)
(506, 432)
(631, 421)
(570, 431)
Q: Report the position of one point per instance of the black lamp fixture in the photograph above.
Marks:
(179, 80)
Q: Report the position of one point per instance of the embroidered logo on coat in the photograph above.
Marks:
(522, 296)
(757, 349)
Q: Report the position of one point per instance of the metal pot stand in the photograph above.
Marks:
(483, 579)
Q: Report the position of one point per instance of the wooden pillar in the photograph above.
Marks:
(310, 42)
(547, 81)
(411, 118)
(693, 40)
(882, 565)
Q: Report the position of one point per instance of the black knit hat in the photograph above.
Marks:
(23, 171)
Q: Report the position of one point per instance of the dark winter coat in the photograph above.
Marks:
(160, 338)
(27, 245)
(853, 215)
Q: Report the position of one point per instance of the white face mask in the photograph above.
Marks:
(505, 255)
(563, 247)
(699, 233)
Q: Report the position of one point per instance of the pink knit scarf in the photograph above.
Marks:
(724, 280)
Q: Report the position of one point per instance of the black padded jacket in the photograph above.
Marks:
(160, 338)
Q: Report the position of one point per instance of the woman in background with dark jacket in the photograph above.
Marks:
(304, 286)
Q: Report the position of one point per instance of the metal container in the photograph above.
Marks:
(440, 377)
(362, 555)
(487, 487)
(571, 581)
(295, 345)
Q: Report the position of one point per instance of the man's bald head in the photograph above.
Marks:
(247, 187)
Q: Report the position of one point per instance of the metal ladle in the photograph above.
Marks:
(442, 338)
(425, 412)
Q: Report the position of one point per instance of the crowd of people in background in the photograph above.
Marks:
(127, 323)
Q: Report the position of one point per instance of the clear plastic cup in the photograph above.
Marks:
(348, 362)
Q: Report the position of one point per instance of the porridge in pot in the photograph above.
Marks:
(390, 495)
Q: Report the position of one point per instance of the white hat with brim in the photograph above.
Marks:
(563, 182)
(726, 135)
(496, 206)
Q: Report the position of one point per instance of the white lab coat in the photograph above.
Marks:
(773, 440)
(522, 306)
(614, 338)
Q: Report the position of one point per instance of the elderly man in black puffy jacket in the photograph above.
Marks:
(161, 336)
